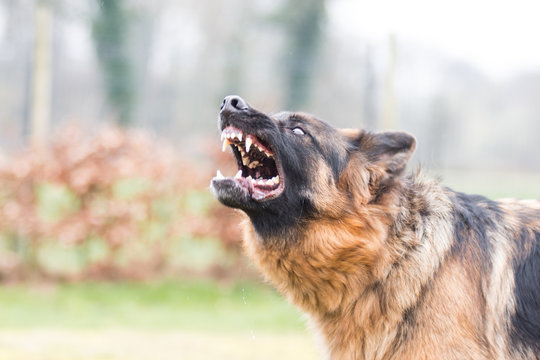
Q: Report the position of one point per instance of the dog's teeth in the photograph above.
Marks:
(261, 182)
(219, 175)
(270, 182)
(223, 136)
(226, 142)
(240, 136)
(245, 160)
(253, 164)
(238, 174)
(275, 179)
(249, 142)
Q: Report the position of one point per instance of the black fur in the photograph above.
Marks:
(474, 216)
(526, 319)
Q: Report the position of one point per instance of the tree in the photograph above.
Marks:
(303, 23)
(110, 30)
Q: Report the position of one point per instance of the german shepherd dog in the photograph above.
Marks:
(387, 266)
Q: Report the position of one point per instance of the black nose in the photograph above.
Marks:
(233, 103)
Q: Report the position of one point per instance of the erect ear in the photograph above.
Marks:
(389, 150)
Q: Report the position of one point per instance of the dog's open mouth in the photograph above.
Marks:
(258, 173)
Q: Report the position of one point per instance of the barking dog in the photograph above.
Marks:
(387, 266)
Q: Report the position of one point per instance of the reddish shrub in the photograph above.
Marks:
(117, 200)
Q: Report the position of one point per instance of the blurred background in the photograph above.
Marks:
(111, 245)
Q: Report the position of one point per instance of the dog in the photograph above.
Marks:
(386, 265)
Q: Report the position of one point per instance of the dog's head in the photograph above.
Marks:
(292, 166)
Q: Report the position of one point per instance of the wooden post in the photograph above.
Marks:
(40, 112)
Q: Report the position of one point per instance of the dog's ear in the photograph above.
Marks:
(389, 150)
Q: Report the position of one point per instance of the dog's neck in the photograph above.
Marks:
(345, 268)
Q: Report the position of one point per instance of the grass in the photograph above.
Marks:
(179, 305)
(158, 321)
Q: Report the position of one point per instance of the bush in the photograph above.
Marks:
(118, 204)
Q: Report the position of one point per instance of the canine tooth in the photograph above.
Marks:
(275, 179)
(238, 174)
(219, 175)
(270, 182)
(245, 160)
(240, 136)
(226, 142)
(249, 142)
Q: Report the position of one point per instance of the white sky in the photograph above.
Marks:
(500, 37)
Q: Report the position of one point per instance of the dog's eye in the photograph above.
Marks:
(298, 131)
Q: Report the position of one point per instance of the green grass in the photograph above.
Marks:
(188, 320)
(180, 305)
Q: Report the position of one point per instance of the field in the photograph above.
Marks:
(168, 320)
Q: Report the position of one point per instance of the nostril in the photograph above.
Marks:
(234, 103)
